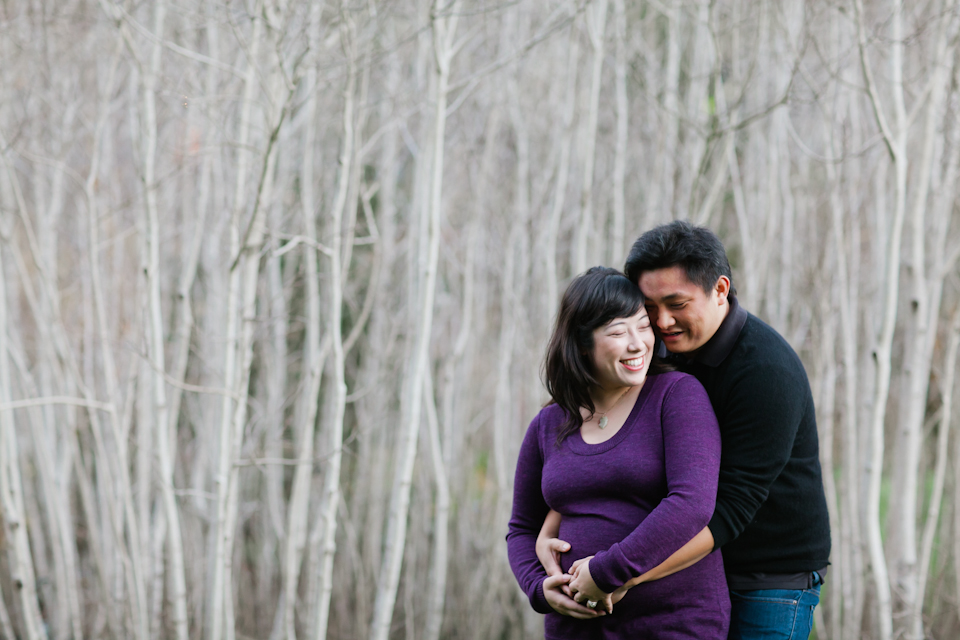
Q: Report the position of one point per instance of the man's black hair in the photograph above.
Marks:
(696, 249)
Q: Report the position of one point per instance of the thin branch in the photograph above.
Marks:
(871, 83)
(297, 240)
(38, 402)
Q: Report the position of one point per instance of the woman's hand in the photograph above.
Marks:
(583, 586)
(564, 604)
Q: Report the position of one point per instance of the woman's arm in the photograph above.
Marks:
(529, 512)
(691, 446)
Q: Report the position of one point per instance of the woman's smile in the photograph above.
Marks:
(620, 350)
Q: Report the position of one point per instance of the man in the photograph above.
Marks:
(771, 516)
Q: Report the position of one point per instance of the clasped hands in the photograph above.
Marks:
(569, 593)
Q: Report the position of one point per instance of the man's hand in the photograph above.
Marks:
(549, 547)
(617, 595)
(562, 603)
(548, 553)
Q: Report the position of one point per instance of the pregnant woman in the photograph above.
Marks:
(628, 457)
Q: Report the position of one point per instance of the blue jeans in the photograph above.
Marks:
(772, 614)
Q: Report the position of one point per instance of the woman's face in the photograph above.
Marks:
(622, 349)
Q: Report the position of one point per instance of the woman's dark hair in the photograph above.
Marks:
(591, 300)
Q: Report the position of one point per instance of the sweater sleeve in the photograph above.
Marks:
(691, 451)
(529, 511)
(763, 407)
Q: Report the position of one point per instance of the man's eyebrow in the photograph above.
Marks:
(671, 296)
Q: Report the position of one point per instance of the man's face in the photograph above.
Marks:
(683, 314)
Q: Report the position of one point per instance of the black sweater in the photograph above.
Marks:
(771, 514)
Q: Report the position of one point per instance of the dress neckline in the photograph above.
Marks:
(577, 444)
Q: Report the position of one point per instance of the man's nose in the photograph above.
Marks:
(664, 320)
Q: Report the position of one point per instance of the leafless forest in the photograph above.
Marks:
(277, 277)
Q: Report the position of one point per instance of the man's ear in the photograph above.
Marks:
(722, 287)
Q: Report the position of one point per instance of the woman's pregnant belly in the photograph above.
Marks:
(589, 534)
(701, 586)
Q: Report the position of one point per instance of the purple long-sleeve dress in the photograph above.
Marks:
(631, 502)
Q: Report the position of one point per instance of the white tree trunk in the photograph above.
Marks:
(664, 207)
(896, 141)
(234, 403)
(924, 314)
(155, 339)
(596, 26)
(440, 552)
(939, 473)
(618, 232)
(313, 358)
(444, 30)
(11, 495)
(331, 482)
(563, 175)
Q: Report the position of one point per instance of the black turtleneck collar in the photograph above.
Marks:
(721, 344)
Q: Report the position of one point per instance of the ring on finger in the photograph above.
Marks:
(591, 604)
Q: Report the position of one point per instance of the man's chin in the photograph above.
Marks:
(676, 345)
(681, 348)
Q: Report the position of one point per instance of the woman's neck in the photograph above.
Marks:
(604, 399)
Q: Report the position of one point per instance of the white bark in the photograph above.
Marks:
(617, 248)
(313, 359)
(563, 174)
(826, 410)
(663, 207)
(11, 496)
(338, 264)
(155, 339)
(850, 543)
(596, 18)
(896, 141)
(939, 472)
(748, 291)
(440, 552)
(926, 296)
(696, 109)
(443, 25)
(233, 413)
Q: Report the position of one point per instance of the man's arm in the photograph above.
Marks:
(689, 554)
(759, 419)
